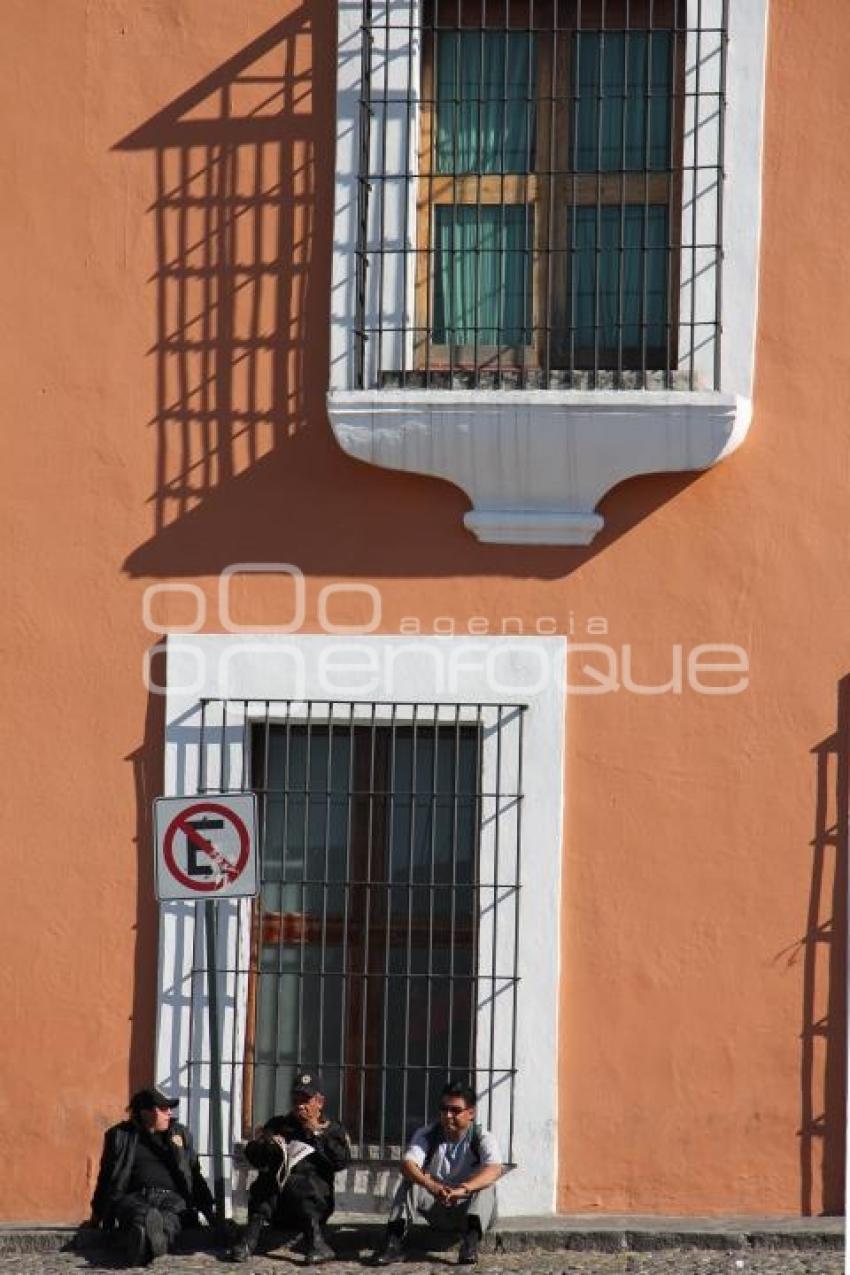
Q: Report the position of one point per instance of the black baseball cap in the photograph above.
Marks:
(146, 1099)
(308, 1082)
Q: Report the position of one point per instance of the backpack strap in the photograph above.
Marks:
(434, 1136)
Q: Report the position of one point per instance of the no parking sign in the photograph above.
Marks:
(206, 847)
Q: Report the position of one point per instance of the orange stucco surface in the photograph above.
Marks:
(702, 1028)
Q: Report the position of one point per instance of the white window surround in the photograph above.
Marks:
(405, 670)
(536, 463)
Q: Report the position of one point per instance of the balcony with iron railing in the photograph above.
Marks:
(534, 293)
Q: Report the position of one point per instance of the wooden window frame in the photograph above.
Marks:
(552, 188)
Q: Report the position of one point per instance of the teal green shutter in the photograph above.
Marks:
(485, 102)
(639, 273)
(482, 274)
(623, 108)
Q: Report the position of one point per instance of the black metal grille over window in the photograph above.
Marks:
(540, 195)
(383, 949)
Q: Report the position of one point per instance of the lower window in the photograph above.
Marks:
(374, 948)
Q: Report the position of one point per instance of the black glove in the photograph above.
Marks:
(263, 1152)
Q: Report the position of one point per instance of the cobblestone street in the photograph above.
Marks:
(665, 1262)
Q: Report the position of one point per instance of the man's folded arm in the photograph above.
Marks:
(334, 1146)
(106, 1195)
(483, 1176)
(413, 1171)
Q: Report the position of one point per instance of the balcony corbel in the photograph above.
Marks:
(535, 464)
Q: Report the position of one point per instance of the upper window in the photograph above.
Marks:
(542, 208)
(550, 195)
(545, 195)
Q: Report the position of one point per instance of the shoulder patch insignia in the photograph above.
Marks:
(177, 1140)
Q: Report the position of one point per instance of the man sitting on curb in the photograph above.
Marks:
(448, 1171)
(298, 1156)
(150, 1181)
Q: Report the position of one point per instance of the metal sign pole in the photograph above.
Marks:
(206, 850)
(217, 1148)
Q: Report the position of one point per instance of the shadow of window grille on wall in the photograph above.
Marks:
(540, 194)
(383, 947)
(234, 212)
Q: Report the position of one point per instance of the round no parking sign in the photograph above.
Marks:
(206, 848)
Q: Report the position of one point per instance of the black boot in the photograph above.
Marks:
(316, 1247)
(136, 1251)
(156, 1234)
(393, 1247)
(244, 1247)
(468, 1251)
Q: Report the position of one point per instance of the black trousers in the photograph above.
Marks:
(136, 1206)
(305, 1200)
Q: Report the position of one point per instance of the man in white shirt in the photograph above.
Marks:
(449, 1173)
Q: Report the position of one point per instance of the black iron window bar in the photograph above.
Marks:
(552, 215)
(382, 952)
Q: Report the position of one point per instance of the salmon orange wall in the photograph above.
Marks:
(148, 441)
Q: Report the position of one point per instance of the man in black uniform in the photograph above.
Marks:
(150, 1182)
(295, 1195)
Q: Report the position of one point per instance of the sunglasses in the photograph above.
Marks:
(452, 1111)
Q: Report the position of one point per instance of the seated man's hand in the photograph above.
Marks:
(454, 1194)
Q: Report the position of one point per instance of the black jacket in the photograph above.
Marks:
(116, 1167)
(332, 1151)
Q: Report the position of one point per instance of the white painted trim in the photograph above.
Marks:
(450, 670)
(746, 63)
(532, 527)
(527, 510)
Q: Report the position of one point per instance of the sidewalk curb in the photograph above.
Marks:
(640, 1240)
(584, 1234)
